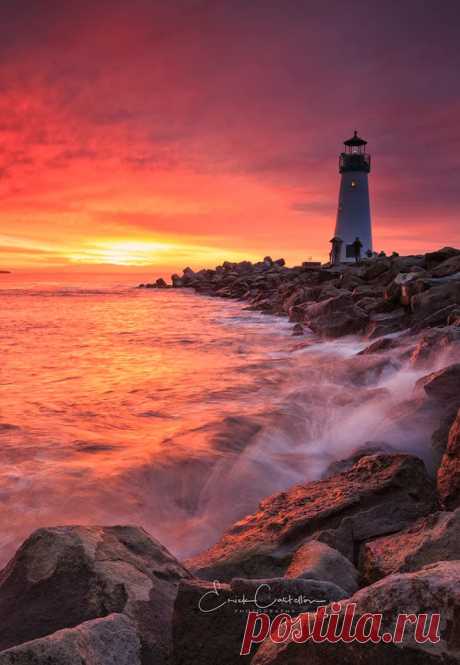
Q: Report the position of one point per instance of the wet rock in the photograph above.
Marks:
(160, 284)
(394, 291)
(438, 318)
(381, 324)
(367, 369)
(448, 478)
(442, 385)
(430, 539)
(64, 576)
(209, 617)
(432, 343)
(369, 448)
(298, 329)
(454, 318)
(381, 346)
(318, 561)
(440, 436)
(429, 302)
(335, 317)
(435, 588)
(378, 495)
(111, 640)
(176, 281)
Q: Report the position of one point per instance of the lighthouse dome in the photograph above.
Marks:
(355, 140)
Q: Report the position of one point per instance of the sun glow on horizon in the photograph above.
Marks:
(146, 253)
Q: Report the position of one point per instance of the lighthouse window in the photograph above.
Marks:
(354, 183)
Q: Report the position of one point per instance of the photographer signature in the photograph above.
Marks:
(212, 600)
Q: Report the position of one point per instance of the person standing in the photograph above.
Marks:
(357, 247)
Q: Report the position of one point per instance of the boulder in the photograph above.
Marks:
(298, 329)
(427, 303)
(209, 617)
(439, 317)
(440, 436)
(318, 561)
(376, 269)
(386, 323)
(434, 341)
(433, 259)
(448, 478)
(369, 448)
(160, 283)
(111, 640)
(380, 494)
(377, 305)
(433, 589)
(380, 346)
(448, 267)
(66, 575)
(430, 539)
(454, 317)
(443, 385)
(336, 316)
(367, 291)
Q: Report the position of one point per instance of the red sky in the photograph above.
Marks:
(168, 133)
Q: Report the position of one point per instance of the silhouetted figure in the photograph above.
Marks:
(357, 247)
(336, 249)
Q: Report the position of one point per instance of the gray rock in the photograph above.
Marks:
(430, 539)
(111, 640)
(448, 477)
(318, 561)
(64, 576)
(434, 589)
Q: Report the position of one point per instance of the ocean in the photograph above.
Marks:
(170, 410)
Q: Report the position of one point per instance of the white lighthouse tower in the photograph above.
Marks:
(353, 232)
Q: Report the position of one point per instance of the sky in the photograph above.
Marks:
(141, 134)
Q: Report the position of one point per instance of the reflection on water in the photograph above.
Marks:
(171, 410)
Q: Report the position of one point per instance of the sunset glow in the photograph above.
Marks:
(166, 135)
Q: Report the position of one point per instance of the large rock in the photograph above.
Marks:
(445, 340)
(449, 472)
(380, 494)
(430, 539)
(336, 316)
(434, 589)
(386, 323)
(424, 305)
(317, 561)
(434, 259)
(443, 385)
(63, 576)
(111, 640)
(440, 436)
(209, 617)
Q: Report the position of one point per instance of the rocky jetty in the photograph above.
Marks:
(378, 532)
(375, 297)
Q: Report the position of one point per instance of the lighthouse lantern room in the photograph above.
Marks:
(353, 232)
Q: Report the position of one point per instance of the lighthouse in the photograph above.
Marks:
(353, 231)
